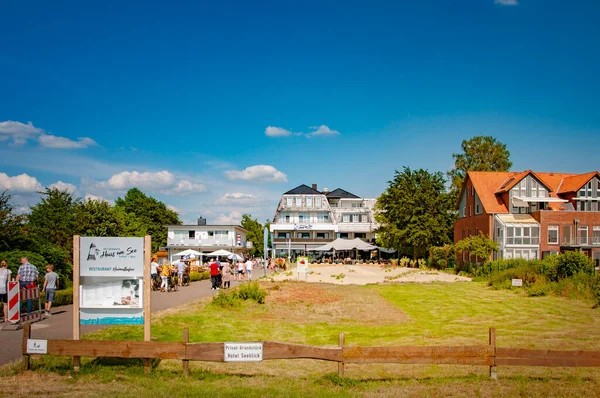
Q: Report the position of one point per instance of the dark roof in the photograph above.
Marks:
(340, 193)
(303, 190)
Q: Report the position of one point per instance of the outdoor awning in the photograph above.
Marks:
(346, 244)
(538, 200)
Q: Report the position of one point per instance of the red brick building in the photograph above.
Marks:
(531, 214)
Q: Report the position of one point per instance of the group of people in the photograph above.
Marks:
(166, 272)
(28, 276)
(222, 273)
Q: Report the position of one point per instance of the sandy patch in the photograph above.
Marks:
(365, 274)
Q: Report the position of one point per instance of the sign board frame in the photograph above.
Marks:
(35, 346)
(517, 282)
(117, 260)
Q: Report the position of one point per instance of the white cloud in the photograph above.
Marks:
(18, 132)
(258, 174)
(322, 130)
(235, 217)
(145, 180)
(52, 141)
(507, 2)
(185, 187)
(173, 208)
(237, 198)
(90, 197)
(20, 183)
(64, 186)
(277, 132)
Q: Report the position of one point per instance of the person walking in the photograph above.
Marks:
(249, 267)
(240, 268)
(214, 274)
(50, 285)
(226, 275)
(180, 271)
(164, 275)
(27, 276)
(4, 279)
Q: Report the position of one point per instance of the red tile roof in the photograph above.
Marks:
(490, 185)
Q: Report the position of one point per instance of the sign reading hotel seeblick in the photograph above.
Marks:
(122, 257)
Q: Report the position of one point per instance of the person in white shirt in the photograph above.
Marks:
(249, 266)
(4, 279)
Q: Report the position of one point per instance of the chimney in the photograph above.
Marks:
(314, 186)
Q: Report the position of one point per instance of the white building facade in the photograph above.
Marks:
(205, 238)
(307, 218)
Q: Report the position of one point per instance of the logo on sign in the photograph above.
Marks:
(298, 227)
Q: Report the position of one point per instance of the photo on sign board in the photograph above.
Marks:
(130, 292)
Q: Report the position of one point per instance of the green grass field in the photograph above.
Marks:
(391, 314)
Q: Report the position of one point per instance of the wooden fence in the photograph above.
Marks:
(483, 355)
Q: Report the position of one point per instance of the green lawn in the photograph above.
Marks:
(393, 314)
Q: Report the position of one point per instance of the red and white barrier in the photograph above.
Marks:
(14, 302)
(15, 296)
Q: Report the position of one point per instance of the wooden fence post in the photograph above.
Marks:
(186, 362)
(26, 335)
(341, 363)
(492, 339)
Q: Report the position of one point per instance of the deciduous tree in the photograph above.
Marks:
(414, 211)
(255, 234)
(480, 153)
(477, 245)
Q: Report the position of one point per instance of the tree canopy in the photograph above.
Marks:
(255, 234)
(414, 211)
(480, 153)
(477, 245)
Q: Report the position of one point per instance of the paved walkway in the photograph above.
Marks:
(60, 325)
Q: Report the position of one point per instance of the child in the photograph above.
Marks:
(50, 285)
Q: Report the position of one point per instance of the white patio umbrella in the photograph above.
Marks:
(218, 253)
(187, 252)
(235, 257)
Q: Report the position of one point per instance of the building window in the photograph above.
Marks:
(309, 202)
(534, 188)
(360, 235)
(344, 235)
(191, 234)
(326, 218)
(346, 218)
(322, 235)
(287, 218)
(211, 233)
(318, 203)
(303, 235)
(299, 202)
(282, 235)
(477, 209)
(289, 202)
(596, 236)
(300, 218)
(364, 218)
(583, 235)
(464, 211)
(355, 218)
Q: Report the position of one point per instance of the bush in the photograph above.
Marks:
(528, 273)
(199, 276)
(440, 257)
(63, 297)
(572, 262)
(234, 297)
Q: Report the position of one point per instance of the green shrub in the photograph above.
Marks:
(199, 276)
(572, 262)
(528, 273)
(61, 297)
(234, 297)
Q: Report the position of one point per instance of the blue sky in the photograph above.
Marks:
(217, 108)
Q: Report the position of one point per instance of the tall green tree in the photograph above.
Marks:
(52, 220)
(414, 211)
(255, 234)
(98, 218)
(11, 223)
(477, 245)
(150, 213)
(480, 153)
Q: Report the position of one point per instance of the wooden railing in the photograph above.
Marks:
(484, 355)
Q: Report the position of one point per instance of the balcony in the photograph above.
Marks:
(580, 241)
(185, 242)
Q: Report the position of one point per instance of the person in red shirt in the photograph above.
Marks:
(214, 274)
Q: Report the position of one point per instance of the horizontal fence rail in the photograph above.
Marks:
(481, 355)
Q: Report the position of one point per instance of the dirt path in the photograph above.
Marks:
(366, 274)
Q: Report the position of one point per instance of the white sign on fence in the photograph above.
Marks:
(243, 352)
(37, 346)
(517, 282)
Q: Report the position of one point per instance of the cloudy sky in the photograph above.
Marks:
(218, 108)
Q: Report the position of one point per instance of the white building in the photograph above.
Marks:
(306, 218)
(205, 238)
